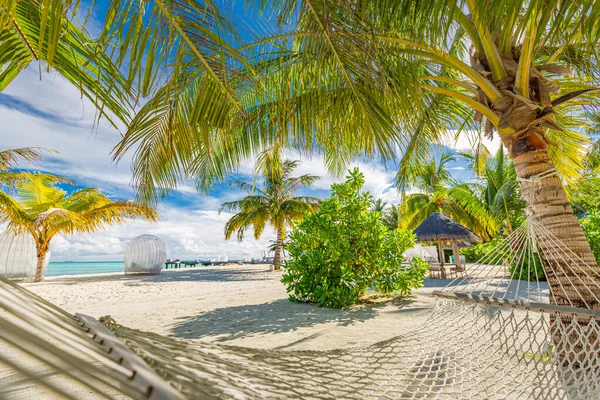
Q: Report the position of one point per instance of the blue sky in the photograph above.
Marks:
(47, 111)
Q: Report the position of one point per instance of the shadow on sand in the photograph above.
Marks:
(274, 317)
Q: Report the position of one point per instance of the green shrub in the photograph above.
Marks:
(525, 266)
(344, 249)
(481, 251)
(591, 226)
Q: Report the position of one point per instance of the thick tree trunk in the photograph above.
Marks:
(547, 203)
(39, 271)
(278, 247)
(572, 279)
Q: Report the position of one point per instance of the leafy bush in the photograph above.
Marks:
(591, 226)
(526, 267)
(344, 249)
(481, 251)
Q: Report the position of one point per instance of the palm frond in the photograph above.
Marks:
(48, 33)
(10, 158)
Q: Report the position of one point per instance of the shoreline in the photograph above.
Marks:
(101, 274)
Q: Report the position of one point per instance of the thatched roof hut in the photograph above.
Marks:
(439, 228)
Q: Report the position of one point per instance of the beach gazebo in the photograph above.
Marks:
(439, 229)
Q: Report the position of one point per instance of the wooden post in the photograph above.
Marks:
(456, 254)
(441, 255)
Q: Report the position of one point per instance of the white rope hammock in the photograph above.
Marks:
(490, 336)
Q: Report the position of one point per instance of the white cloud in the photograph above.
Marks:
(188, 234)
(378, 180)
(468, 140)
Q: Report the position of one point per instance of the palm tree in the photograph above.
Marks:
(10, 158)
(44, 210)
(364, 77)
(500, 191)
(436, 191)
(391, 217)
(273, 203)
(379, 206)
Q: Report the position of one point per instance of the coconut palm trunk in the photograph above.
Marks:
(39, 271)
(547, 203)
(278, 247)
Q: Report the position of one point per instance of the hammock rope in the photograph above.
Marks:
(497, 333)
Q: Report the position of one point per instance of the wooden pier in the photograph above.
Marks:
(172, 264)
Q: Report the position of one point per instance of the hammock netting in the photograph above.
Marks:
(499, 332)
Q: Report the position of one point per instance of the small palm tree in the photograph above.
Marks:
(379, 205)
(437, 191)
(44, 210)
(501, 192)
(391, 217)
(273, 203)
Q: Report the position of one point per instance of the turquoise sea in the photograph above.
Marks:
(83, 268)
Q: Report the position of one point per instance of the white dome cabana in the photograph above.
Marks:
(18, 256)
(146, 254)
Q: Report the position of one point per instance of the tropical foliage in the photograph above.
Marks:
(273, 203)
(500, 191)
(523, 264)
(52, 35)
(346, 79)
(436, 191)
(591, 227)
(44, 210)
(344, 249)
(390, 216)
(585, 191)
(481, 251)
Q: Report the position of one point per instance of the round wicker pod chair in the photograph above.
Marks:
(18, 256)
(146, 254)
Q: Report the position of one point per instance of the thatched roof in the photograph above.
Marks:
(439, 227)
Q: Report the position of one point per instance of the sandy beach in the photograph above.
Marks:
(245, 305)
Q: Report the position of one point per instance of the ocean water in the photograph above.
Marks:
(83, 268)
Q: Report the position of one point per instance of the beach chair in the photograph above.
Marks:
(435, 271)
(430, 254)
(458, 269)
(415, 252)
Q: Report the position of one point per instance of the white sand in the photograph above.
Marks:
(243, 305)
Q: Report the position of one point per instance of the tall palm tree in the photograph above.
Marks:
(44, 210)
(273, 203)
(434, 190)
(364, 77)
